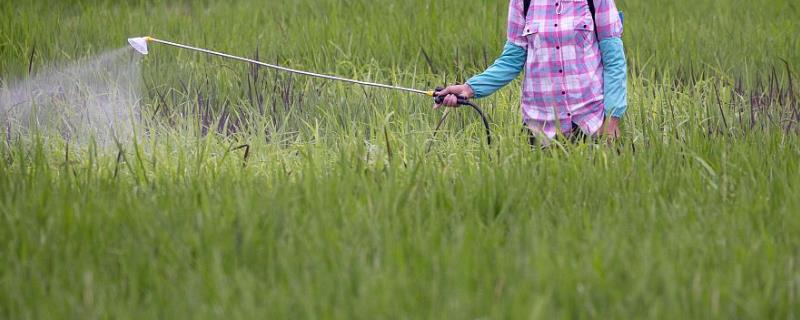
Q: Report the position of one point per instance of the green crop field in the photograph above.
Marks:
(252, 194)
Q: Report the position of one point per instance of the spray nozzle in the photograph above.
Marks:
(139, 44)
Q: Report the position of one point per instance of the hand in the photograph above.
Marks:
(611, 129)
(451, 94)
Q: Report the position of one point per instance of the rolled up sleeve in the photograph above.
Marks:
(504, 70)
(615, 79)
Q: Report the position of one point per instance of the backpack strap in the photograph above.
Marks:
(527, 4)
(594, 20)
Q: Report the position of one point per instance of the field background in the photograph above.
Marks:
(346, 207)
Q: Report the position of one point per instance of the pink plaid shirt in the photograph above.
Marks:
(563, 72)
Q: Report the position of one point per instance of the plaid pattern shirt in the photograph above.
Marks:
(563, 73)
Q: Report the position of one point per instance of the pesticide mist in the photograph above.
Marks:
(96, 98)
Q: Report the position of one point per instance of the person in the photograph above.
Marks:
(574, 63)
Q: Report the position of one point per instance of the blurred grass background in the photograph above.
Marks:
(735, 37)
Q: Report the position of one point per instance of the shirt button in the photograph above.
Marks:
(563, 92)
(556, 24)
(557, 47)
(560, 71)
(569, 114)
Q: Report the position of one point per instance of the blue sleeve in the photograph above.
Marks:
(504, 70)
(615, 78)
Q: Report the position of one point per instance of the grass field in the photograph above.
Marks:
(344, 206)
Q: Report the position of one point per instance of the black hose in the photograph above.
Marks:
(466, 102)
(483, 119)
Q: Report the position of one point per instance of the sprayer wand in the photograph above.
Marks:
(140, 45)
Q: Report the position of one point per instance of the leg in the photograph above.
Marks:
(577, 135)
(537, 133)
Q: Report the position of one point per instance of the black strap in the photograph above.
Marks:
(527, 4)
(594, 21)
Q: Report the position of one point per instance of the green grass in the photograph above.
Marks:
(341, 211)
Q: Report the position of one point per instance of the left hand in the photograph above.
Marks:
(611, 128)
